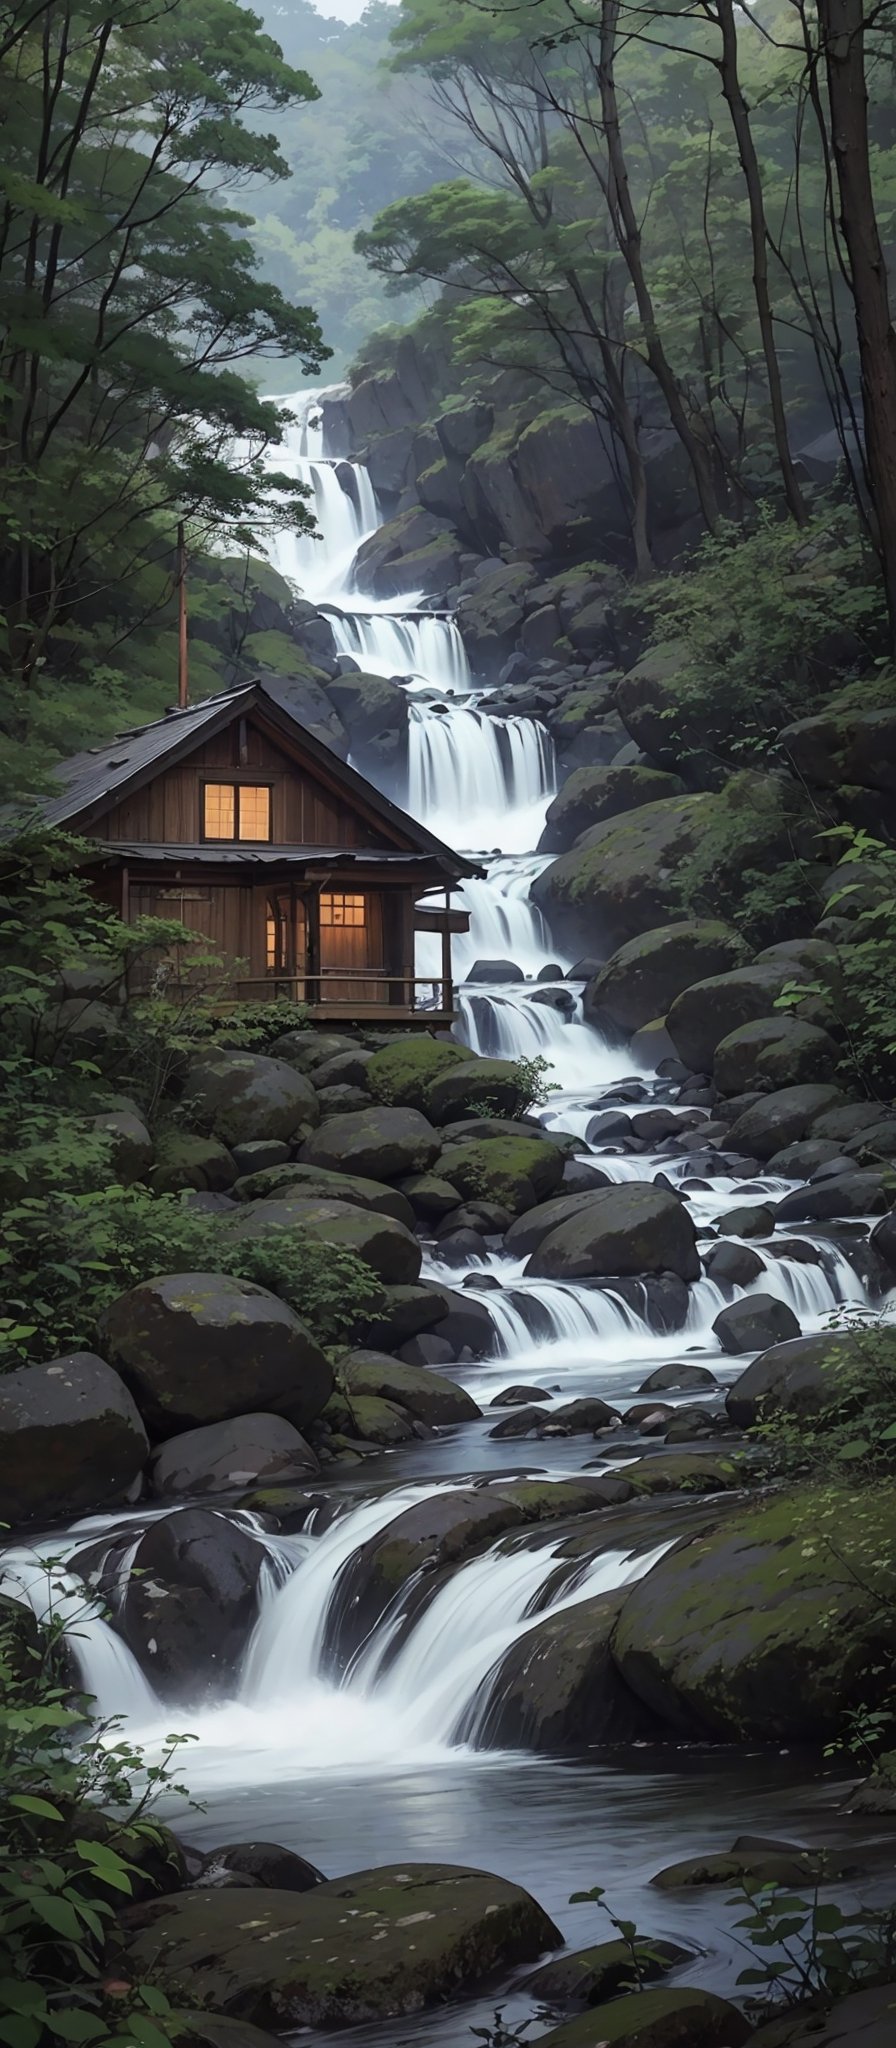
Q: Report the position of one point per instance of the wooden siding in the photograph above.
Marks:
(304, 812)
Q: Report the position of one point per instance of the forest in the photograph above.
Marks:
(448, 987)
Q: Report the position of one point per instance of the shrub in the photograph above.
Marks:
(866, 1002)
(748, 867)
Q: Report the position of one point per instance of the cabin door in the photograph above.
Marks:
(287, 961)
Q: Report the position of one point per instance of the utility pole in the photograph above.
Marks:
(183, 668)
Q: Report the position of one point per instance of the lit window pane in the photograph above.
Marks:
(272, 943)
(255, 812)
(343, 911)
(220, 810)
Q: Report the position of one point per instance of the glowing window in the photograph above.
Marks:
(236, 810)
(343, 911)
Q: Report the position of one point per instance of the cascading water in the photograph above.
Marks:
(413, 645)
(342, 502)
(496, 776)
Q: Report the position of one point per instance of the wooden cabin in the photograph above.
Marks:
(230, 817)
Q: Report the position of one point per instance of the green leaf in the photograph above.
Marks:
(76, 2025)
(27, 1803)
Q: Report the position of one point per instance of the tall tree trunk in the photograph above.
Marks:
(729, 73)
(628, 236)
(842, 29)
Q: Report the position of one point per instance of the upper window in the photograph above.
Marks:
(236, 810)
(343, 911)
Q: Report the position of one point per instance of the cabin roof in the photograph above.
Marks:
(250, 855)
(93, 781)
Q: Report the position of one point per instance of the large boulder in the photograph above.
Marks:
(319, 1184)
(623, 877)
(443, 1530)
(381, 1143)
(655, 2019)
(227, 1457)
(710, 1010)
(591, 794)
(427, 1395)
(404, 1071)
(809, 1375)
(643, 978)
(780, 1119)
(754, 1322)
(190, 1602)
(71, 1438)
(515, 1172)
(374, 711)
(490, 614)
(201, 1347)
(386, 1246)
(473, 1084)
(632, 1228)
(185, 1159)
(773, 1052)
(370, 1946)
(840, 748)
(235, 1096)
(528, 1231)
(761, 1628)
(557, 1688)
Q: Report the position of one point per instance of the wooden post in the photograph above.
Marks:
(126, 916)
(315, 985)
(447, 984)
(183, 671)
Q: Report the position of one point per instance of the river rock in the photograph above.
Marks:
(780, 1119)
(655, 2019)
(250, 1450)
(71, 1438)
(591, 1976)
(190, 1603)
(633, 1228)
(643, 978)
(443, 1530)
(387, 1247)
(429, 1396)
(733, 1265)
(709, 1011)
(264, 1863)
(867, 1192)
(758, 1629)
(773, 1052)
(184, 1159)
(760, 1862)
(557, 1690)
(404, 1071)
(621, 879)
(669, 1379)
(529, 1230)
(472, 1083)
(866, 2019)
(684, 1472)
(592, 794)
(753, 1220)
(235, 1096)
(381, 1142)
(756, 1322)
(516, 1172)
(809, 1375)
(320, 1184)
(201, 1347)
(370, 1946)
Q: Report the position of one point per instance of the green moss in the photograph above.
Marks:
(403, 1073)
(516, 1172)
(275, 651)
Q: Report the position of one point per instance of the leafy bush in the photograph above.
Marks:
(816, 1953)
(865, 999)
(60, 1868)
(727, 875)
(854, 1434)
(529, 1086)
(64, 1258)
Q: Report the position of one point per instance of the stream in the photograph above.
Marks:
(372, 1757)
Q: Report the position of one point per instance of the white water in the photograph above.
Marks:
(342, 502)
(408, 644)
(493, 777)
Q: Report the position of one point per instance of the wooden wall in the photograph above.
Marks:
(304, 811)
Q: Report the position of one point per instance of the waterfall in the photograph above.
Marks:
(509, 1024)
(107, 1669)
(412, 645)
(480, 778)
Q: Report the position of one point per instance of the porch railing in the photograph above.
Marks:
(363, 988)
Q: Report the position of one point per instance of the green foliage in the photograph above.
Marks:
(643, 1956)
(853, 1435)
(811, 1952)
(863, 994)
(529, 1086)
(64, 1258)
(762, 618)
(63, 1876)
(747, 867)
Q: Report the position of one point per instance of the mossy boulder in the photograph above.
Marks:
(404, 1072)
(427, 1395)
(773, 1052)
(781, 1119)
(370, 1946)
(386, 1246)
(374, 1421)
(527, 1233)
(591, 1976)
(71, 1438)
(430, 1196)
(235, 1096)
(768, 1626)
(685, 1472)
(632, 1228)
(380, 1143)
(441, 1531)
(515, 1172)
(709, 1010)
(591, 794)
(226, 1457)
(643, 978)
(557, 1690)
(200, 1347)
(810, 1375)
(320, 1184)
(374, 711)
(475, 1087)
(655, 2019)
(623, 877)
(183, 1159)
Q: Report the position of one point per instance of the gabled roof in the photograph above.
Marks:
(94, 781)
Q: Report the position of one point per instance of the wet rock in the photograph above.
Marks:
(655, 2019)
(341, 1953)
(590, 1976)
(809, 1375)
(518, 1397)
(579, 1177)
(780, 1119)
(781, 1863)
(71, 1438)
(251, 1450)
(264, 1863)
(528, 1231)
(381, 1142)
(712, 1009)
(427, 1350)
(387, 1247)
(522, 1422)
(669, 1379)
(431, 1196)
(866, 2019)
(404, 1071)
(774, 1052)
(496, 971)
(591, 794)
(585, 1416)
(630, 1229)
(491, 1219)
(200, 1347)
(472, 1082)
(320, 1184)
(516, 1172)
(443, 1530)
(754, 1630)
(556, 1690)
(684, 1472)
(733, 1265)
(867, 1192)
(754, 1221)
(621, 877)
(643, 978)
(649, 1418)
(464, 1322)
(235, 1096)
(427, 1395)
(755, 1323)
(802, 1160)
(190, 1603)
(694, 1425)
